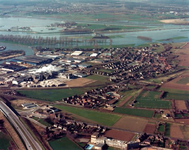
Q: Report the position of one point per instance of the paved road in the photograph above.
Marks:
(29, 141)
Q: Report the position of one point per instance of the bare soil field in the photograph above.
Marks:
(186, 46)
(183, 54)
(120, 135)
(185, 131)
(131, 124)
(18, 102)
(185, 121)
(176, 132)
(79, 82)
(184, 61)
(171, 85)
(150, 128)
(174, 85)
(175, 21)
(180, 105)
(122, 103)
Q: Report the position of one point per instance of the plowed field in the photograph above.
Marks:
(131, 124)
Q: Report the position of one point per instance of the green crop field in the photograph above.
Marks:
(98, 78)
(125, 94)
(99, 117)
(167, 129)
(63, 143)
(150, 99)
(4, 141)
(42, 121)
(52, 95)
(106, 70)
(106, 27)
(176, 96)
(134, 112)
(157, 115)
(161, 128)
(153, 104)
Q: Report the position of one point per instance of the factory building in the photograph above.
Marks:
(32, 60)
(12, 68)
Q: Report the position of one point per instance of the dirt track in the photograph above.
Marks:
(122, 103)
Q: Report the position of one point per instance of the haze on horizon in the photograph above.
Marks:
(151, 1)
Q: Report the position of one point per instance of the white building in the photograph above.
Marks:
(76, 53)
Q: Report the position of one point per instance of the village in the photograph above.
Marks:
(125, 69)
(128, 66)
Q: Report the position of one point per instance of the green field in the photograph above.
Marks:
(167, 129)
(144, 45)
(176, 96)
(178, 116)
(161, 128)
(153, 104)
(104, 27)
(106, 70)
(134, 112)
(52, 95)
(63, 143)
(150, 99)
(113, 148)
(157, 115)
(126, 94)
(183, 81)
(98, 78)
(4, 141)
(99, 117)
(42, 121)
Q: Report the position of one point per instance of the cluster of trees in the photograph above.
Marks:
(63, 41)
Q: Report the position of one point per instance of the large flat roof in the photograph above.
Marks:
(77, 53)
(34, 59)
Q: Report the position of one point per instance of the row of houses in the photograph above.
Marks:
(104, 97)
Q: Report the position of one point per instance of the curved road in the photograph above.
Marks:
(28, 139)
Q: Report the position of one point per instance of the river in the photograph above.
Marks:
(39, 28)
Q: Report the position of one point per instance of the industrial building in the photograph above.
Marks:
(12, 68)
(32, 60)
(28, 105)
(76, 53)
